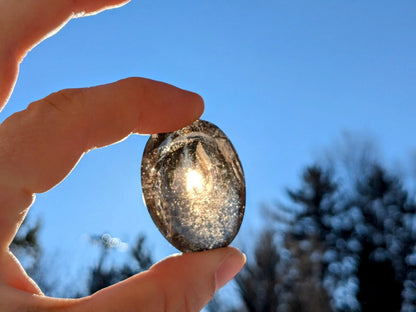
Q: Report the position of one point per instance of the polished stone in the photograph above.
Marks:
(193, 186)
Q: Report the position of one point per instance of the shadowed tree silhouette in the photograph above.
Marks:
(304, 291)
(345, 242)
(364, 238)
(101, 277)
(348, 246)
(379, 289)
(308, 240)
(26, 243)
(260, 283)
(27, 248)
(387, 242)
(315, 201)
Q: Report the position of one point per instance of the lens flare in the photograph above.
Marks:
(194, 181)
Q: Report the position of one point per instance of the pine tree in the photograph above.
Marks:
(27, 248)
(260, 283)
(385, 242)
(102, 276)
(309, 239)
(364, 239)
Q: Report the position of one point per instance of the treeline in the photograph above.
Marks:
(342, 250)
(344, 241)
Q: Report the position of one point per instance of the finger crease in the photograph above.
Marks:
(52, 104)
(187, 304)
(165, 302)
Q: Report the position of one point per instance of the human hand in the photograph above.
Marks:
(40, 146)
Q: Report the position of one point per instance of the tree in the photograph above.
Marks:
(288, 277)
(25, 245)
(347, 246)
(345, 242)
(27, 248)
(101, 276)
(365, 240)
(260, 283)
(387, 242)
(309, 238)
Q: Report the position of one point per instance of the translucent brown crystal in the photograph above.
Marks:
(193, 186)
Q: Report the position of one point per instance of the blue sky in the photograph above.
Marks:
(283, 79)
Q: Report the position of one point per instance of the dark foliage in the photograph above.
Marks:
(343, 249)
(100, 277)
(27, 248)
(343, 243)
(261, 293)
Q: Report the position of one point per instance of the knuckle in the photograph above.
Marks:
(61, 100)
(191, 299)
(59, 111)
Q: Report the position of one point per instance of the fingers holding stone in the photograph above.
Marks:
(40, 145)
(179, 283)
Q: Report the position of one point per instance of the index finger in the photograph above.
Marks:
(40, 145)
(25, 23)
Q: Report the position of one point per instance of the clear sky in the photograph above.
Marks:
(282, 79)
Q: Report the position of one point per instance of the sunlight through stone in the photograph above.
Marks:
(194, 182)
(194, 187)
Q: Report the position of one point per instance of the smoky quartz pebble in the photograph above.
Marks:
(193, 186)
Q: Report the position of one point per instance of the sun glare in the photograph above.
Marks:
(194, 181)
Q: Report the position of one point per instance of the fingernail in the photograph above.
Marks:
(229, 268)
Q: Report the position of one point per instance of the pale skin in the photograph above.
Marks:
(42, 144)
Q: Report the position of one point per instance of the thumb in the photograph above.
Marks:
(179, 283)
